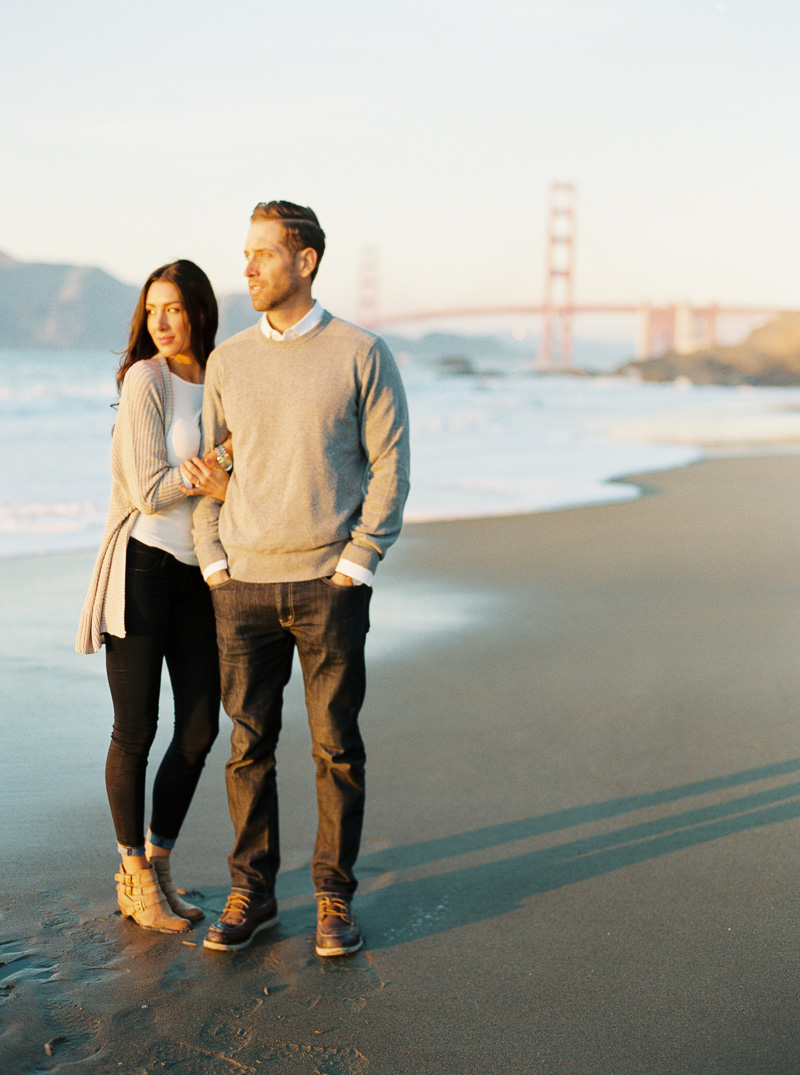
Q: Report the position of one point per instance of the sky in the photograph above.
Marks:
(429, 130)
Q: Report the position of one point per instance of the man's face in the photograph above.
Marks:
(272, 270)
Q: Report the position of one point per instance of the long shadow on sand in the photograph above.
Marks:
(453, 894)
(72, 994)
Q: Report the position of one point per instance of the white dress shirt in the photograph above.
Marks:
(300, 328)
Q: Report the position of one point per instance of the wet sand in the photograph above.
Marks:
(581, 845)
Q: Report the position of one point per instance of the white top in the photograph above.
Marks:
(171, 528)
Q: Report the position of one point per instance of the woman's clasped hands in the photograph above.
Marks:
(204, 477)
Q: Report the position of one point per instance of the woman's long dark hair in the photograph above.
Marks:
(201, 309)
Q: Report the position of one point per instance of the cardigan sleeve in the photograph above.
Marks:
(139, 452)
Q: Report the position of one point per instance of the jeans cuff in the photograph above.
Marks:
(125, 851)
(160, 841)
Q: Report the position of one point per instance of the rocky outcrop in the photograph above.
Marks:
(769, 356)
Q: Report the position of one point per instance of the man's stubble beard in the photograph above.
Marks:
(264, 303)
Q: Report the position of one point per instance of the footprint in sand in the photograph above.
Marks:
(40, 1017)
(21, 963)
(324, 1061)
(351, 982)
(71, 954)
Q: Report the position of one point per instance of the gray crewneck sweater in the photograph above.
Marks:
(321, 453)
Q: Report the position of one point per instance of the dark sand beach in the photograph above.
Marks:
(581, 850)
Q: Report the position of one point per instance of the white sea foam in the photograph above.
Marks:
(62, 518)
(481, 445)
(484, 446)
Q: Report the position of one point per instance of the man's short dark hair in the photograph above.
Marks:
(300, 226)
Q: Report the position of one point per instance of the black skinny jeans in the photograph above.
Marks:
(168, 616)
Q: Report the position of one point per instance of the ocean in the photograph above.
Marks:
(482, 444)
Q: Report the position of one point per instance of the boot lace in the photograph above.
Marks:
(332, 905)
(236, 907)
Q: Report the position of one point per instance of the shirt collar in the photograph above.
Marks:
(304, 325)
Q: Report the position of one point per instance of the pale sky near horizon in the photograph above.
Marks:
(135, 134)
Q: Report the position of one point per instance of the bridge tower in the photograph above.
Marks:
(368, 297)
(559, 281)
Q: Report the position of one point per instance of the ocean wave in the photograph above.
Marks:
(49, 392)
(66, 518)
(479, 447)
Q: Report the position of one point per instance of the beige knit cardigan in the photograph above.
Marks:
(143, 482)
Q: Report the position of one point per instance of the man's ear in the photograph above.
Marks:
(306, 261)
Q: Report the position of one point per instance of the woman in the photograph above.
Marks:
(147, 600)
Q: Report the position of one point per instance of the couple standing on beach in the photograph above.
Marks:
(300, 467)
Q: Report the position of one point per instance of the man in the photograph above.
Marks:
(319, 422)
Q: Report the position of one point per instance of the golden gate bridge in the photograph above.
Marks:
(679, 327)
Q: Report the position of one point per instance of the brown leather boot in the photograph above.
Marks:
(141, 899)
(167, 885)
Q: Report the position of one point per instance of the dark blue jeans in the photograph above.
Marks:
(259, 626)
(169, 616)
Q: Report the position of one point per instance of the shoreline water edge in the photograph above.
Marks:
(494, 443)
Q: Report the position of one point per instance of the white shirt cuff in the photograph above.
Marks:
(360, 575)
(218, 565)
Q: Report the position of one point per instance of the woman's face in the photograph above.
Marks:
(167, 320)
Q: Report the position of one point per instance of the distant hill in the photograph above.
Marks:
(770, 356)
(62, 306)
(67, 306)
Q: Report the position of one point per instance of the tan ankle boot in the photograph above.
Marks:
(141, 899)
(167, 886)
